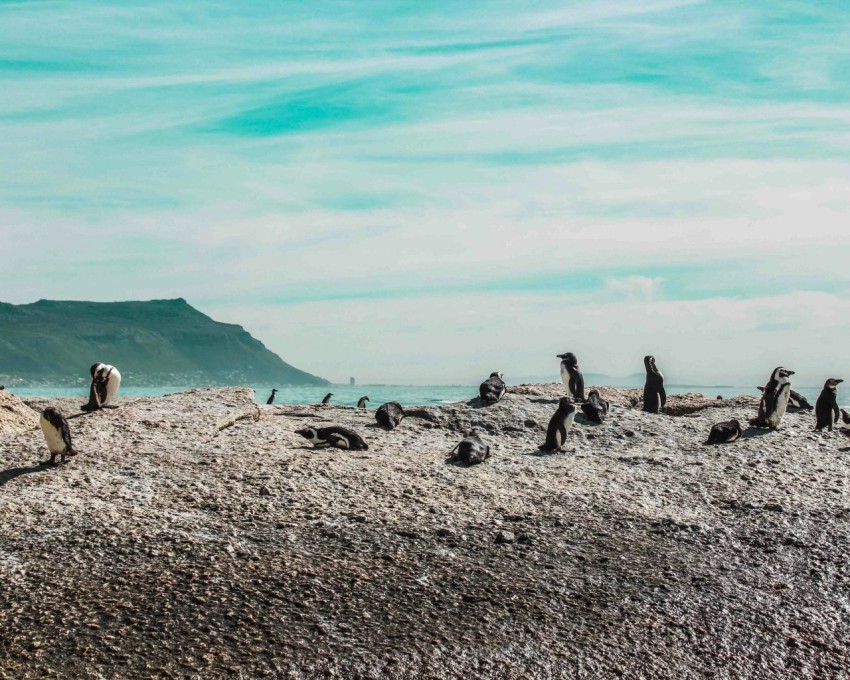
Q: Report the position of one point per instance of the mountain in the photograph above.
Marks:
(159, 342)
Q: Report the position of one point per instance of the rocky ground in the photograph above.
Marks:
(196, 536)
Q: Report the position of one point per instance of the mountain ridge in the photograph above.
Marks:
(164, 341)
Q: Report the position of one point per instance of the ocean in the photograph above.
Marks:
(406, 395)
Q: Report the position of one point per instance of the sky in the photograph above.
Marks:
(425, 192)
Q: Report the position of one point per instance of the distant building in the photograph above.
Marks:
(351, 381)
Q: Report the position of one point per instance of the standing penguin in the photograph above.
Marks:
(774, 399)
(389, 415)
(270, 400)
(827, 412)
(57, 434)
(105, 381)
(654, 396)
(493, 389)
(595, 409)
(559, 426)
(724, 433)
(571, 375)
(327, 398)
(796, 401)
(361, 403)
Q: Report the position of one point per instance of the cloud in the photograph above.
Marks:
(635, 287)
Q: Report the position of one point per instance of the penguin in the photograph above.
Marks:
(796, 401)
(559, 426)
(327, 399)
(595, 409)
(493, 389)
(350, 441)
(105, 381)
(471, 451)
(845, 417)
(571, 375)
(361, 403)
(57, 434)
(270, 400)
(827, 412)
(774, 399)
(724, 433)
(654, 396)
(389, 415)
(320, 436)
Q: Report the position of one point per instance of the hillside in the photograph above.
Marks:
(155, 342)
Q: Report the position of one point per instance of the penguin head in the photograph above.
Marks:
(274, 391)
(736, 423)
(832, 384)
(496, 374)
(782, 375)
(94, 368)
(649, 362)
(565, 404)
(309, 433)
(568, 358)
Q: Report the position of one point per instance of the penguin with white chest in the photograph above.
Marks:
(57, 434)
(571, 375)
(105, 381)
(559, 425)
(827, 412)
(774, 399)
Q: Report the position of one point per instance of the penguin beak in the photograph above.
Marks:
(790, 372)
(839, 380)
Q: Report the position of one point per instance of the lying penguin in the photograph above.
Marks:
(57, 434)
(493, 389)
(389, 415)
(595, 409)
(471, 451)
(335, 435)
(724, 433)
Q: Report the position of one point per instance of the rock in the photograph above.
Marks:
(504, 536)
(265, 491)
(16, 416)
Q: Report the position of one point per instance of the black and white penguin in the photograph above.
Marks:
(724, 433)
(493, 389)
(361, 403)
(471, 451)
(559, 425)
(351, 441)
(654, 396)
(774, 399)
(105, 381)
(845, 417)
(57, 434)
(270, 400)
(571, 375)
(796, 401)
(827, 412)
(320, 436)
(327, 398)
(595, 409)
(389, 415)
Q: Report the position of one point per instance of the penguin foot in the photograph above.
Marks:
(112, 406)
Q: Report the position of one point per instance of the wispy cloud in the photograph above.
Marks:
(376, 156)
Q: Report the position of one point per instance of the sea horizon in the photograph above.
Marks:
(379, 393)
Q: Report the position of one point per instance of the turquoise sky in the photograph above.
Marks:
(428, 191)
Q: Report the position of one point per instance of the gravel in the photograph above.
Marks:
(197, 536)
